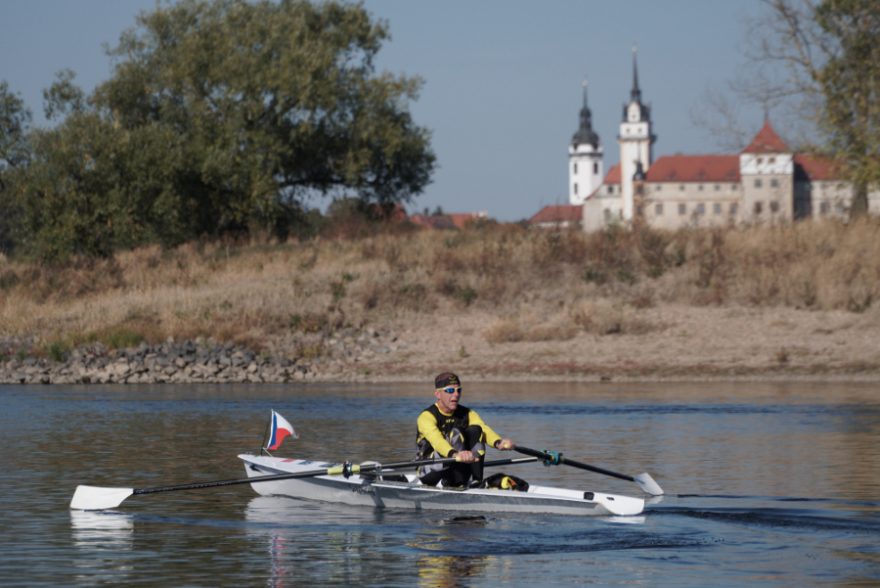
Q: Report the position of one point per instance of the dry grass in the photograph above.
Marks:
(540, 285)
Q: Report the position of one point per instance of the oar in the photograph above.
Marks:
(644, 480)
(100, 498)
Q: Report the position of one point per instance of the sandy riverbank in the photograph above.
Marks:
(684, 342)
(679, 343)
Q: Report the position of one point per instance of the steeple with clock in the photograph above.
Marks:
(636, 140)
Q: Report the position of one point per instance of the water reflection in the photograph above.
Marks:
(101, 530)
(101, 539)
(445, 569)
(300, 536)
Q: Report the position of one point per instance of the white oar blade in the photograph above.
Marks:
(98, 498)
(647, 483)
(623, 506)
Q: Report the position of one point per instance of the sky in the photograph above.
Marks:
(502, 78)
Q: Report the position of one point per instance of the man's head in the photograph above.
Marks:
(447, 390)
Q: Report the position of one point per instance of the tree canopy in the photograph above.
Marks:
(223, 117)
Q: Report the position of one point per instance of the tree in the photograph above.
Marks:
(829, 54)
(267, 104)
(15, 121)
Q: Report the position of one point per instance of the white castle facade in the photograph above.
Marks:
(766, 182)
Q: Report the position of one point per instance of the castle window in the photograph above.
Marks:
(734, 186)
(595, 167)
(758, 182)
(701, 209)
(682, 209)
(759, 206)
(717, 187)
(824, 208)
(774, 183)
(681, 187)
(771, 160)
(733, 208)
(575, 166)
(716, 208)
(611, 189)
(658, 209)
(760, 160)
(774, 206)
(658, 188)
(700, 187)
(575, 188)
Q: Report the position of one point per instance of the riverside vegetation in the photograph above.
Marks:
(494, 300)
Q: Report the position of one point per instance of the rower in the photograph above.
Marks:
(449, 429)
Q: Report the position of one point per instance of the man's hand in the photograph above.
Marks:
(505, 445)
(465, 457)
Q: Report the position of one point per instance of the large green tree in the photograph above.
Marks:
(267, 104)
(825, 54)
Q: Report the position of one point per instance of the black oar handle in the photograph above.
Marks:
(551, 458)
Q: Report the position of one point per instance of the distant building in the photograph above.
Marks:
(563, 216)
(766, 182)
(454, 220)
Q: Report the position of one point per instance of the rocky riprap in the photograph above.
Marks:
(340, 356)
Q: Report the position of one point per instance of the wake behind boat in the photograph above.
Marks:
(375, 490)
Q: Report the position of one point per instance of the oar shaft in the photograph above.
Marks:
(573, 463)
(596, 469)
(331, 471)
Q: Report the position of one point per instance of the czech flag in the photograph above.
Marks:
(281, 430)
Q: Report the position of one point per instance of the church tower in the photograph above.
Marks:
(636, 140)
(584, 158)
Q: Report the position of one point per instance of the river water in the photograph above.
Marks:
(772, 484)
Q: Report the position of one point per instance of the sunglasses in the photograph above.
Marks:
(451, 390)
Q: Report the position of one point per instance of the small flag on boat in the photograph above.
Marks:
(281, 430)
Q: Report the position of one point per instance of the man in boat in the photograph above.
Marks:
(449, 429)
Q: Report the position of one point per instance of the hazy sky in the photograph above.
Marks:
(502, 78)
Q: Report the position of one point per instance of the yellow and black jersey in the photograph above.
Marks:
(434, 426)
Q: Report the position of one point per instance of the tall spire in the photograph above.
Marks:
(584, 84)
(636, 93)
(585, 133)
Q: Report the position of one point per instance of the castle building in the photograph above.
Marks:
(766, 183)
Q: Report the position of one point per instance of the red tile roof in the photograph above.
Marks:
(695, 168)
(767, 141)
(613, 176)
(452, 220)
(460, 219)
(814, 167)
(571, 213)
(440, 221)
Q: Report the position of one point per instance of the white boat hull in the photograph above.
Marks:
(368, 491)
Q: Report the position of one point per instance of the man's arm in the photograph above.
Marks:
(428, 429)
(492, 438)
